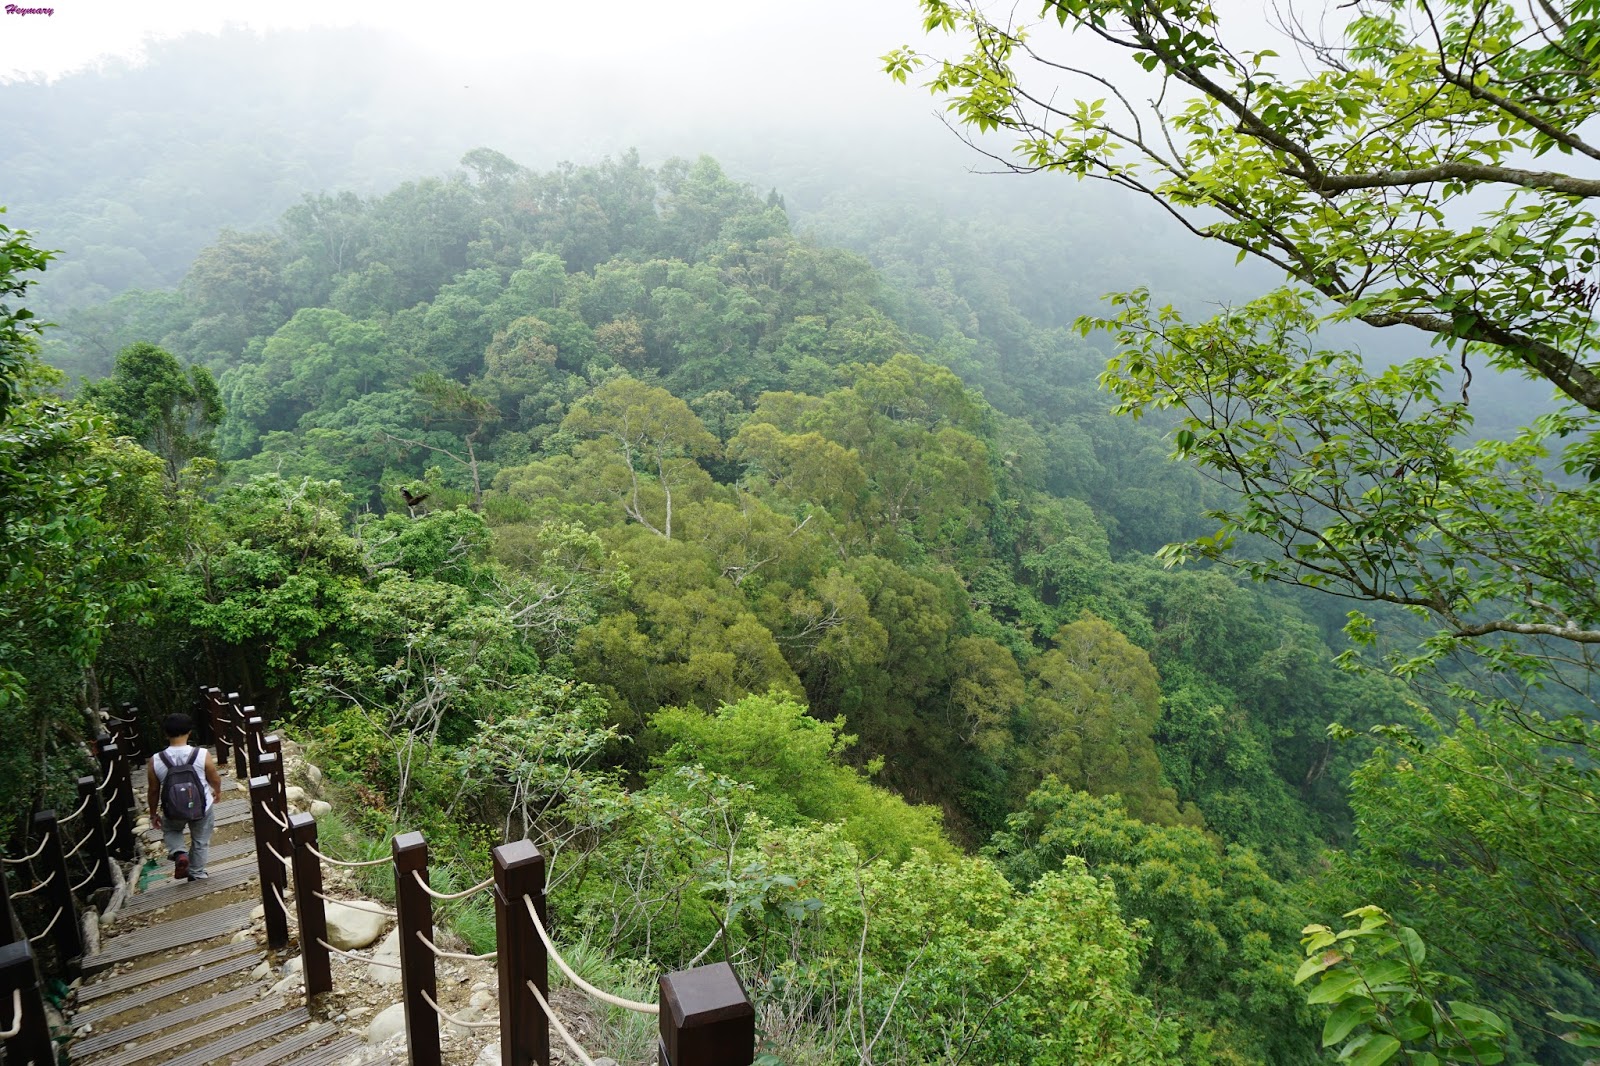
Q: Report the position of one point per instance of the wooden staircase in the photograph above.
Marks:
(180, 978)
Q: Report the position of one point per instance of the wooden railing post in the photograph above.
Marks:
(97, 848)
(417, 977)
(273, 875)
(128, 738)
(241, 766)
(706, 1019)
(10, 930)
(308, 906)
(32, 1045)
(221, 725)
(68, 930)
(252, 739)
(129, 801)
(120, 814)
(524, 1030)
(272, 744)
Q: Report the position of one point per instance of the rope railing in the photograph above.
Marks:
(53, 920)
(279, 822)
(572, 1045)
(356, 905)
(77, 847)
(602, 996)
(16, 1016)
(441, 953)
(281, 901)
(276, 854)
(358, 958)
(452, 1019)
(386, 860)
(474, 890)
(29, 858)
(111, 771)
(81, 808)
(89, 877)
(35, 888)
(117, 825)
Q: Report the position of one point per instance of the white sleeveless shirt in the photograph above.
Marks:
(179, 756)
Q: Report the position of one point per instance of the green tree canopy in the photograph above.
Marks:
(170, 409)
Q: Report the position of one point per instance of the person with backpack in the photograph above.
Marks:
(184, 786)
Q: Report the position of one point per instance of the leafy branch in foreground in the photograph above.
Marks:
(1385, 1004)
(1357, 482)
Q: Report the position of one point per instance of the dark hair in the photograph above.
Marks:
(178, 725)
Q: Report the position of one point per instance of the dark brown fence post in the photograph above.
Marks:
(124, 802)
(241, 766)
(67, 929)
(524, 1030)
(417, 978)
(95, 847)
(19, 978)
(706, 1019)
(252, 740)
(128, 737)
(308, 906)
(274, 881)
(221, 725)
(272, 744)
(118, 795)
(10, 931)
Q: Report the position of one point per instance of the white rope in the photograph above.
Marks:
(16, 1015)
(289, 862)
(604, 997)
(117, 825)
(35, 855)
(56, 918)
(452, 1019)
(281, 901)
(341, 862)
(474, 890)
(441, 953)
(268, 812)
(358, 958)
(92, 871)
(81, 808)
(111, 768)
(355, 906)
(572, 1044)
(77, 847)
(35, 888)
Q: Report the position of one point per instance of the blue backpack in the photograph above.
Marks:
(183, 794)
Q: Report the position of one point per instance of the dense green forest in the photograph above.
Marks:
(795, 580)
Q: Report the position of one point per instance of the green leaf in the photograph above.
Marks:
(1345, 1017)
(1372, 1050)
(1333, 988)
(1413, 943)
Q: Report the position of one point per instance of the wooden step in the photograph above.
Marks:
(185, 1034)
(110, 1008)
(228, 813)
(178, 891)
(333, 1052)
(296, 1044)
(187, 1012)
(135, 978)
(170, 935)
(244, 1038)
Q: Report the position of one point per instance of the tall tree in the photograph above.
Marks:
(1386, 172)
(170, 409)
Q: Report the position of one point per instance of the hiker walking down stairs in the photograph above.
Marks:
(184, 785)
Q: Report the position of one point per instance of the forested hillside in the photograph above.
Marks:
(802, 592)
